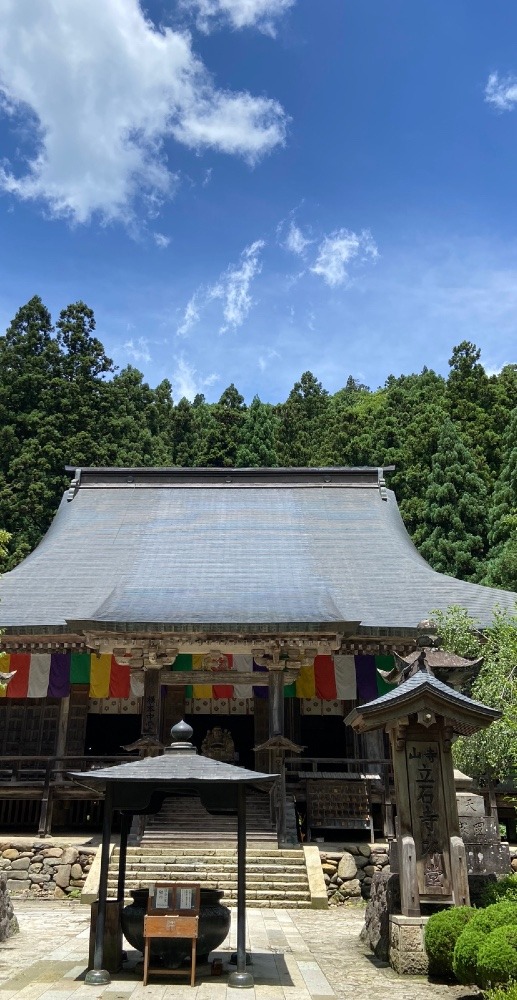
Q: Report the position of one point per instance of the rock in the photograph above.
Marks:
(62, 876)
(53, 852)
(347, 867)
(369, 870)
(350, 888)
(326, 879)
(360, 875)
(335, 899)
(361, 861)
(10, 853)
(20, 863)
(59, 893)
(40, 878)
(76, 871)
(15, 886)
(514, 865)
(329, 869)
(69, 856)
(77, 883)
(17, 874)
(365, 850)
(35, 867)
(4, 863)
(380, 859)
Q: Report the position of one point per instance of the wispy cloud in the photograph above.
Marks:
(338, 250)
(233, 287)
(187, 382)
(207, 178)
(162, 241)
(501, 92)
(295, 241)
(100, 110)
(137, 350)
(260, 14)
(190, 317)
(265, 359)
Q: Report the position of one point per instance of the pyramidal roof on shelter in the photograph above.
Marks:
(279, 549)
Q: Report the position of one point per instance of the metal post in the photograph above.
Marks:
(125, 825)
(241, 979)
(45, 818)
(99, 976)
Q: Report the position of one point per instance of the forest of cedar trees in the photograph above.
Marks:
(453, 440)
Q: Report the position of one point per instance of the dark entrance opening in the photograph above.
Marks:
(106, 735)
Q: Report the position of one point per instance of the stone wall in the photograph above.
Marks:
(8, 921)
(348, 874)
(36, 868)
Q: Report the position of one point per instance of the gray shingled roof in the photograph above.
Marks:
(422, 681)
(228, 547)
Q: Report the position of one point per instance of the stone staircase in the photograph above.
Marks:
(184, 819)
(274, 878)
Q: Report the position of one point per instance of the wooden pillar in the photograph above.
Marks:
(151, 707)
(276, 728)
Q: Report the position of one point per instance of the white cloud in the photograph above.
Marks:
(138, 349)
(259, 14)
(162, 241)
(187, 382)
(264, 359)
(295, 241)
(207, 178)
(191, 316)
(501, 92)
(234, 285)
(102, 90)
(337, 251)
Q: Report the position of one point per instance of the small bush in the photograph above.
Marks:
(506, 888)
(465, 957)
(441, 933)
(508, 992)
(497, 957)
(464, 963)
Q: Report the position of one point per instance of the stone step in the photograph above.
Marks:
(230, 892)
(219, 852)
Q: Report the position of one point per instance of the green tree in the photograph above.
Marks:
(221, 427)
(301, 423)
(452, 536)
(258, 437)
(492, 753)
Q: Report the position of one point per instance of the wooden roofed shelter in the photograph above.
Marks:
(159, 593)
(139, 787)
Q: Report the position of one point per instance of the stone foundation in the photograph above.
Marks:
(8, 921)
(36, 868)
(407, 950)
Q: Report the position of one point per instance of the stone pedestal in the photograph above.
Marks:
(407, 951)
(8, 921)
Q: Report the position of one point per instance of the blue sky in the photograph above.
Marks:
(246, 189)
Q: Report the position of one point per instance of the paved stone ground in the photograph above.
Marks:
(297, 955)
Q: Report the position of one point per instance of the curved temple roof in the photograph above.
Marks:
(286, 549)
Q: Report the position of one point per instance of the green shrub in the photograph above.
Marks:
(497, 957)
(465, 957)
(508, 992)
(441, 933)
(506, 888)
(464, 963)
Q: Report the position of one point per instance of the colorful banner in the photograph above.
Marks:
(328, 678)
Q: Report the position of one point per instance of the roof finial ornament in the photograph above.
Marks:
(181, 735)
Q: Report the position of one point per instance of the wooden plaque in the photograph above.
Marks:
(170, 926)
(175, 898)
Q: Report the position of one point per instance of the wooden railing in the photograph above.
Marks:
(49, 774)
(374, 774)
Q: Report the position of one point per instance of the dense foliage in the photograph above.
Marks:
(441, 933)
(452, 440)
(474, 937)
(492, 753)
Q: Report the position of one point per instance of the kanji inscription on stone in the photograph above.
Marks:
(428, 817)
